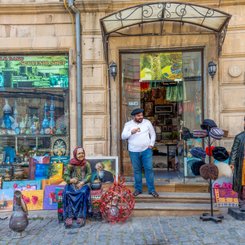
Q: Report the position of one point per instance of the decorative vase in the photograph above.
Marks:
(29, 122)
(52, 111)
(6, 115)
(7, 107)
(33, 128)
(7, 121)
(45, 122)
(17, 130)
(22, 126)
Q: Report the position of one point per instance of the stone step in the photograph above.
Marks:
(175, 187)
(140, 209)
(174, 197)
(172, 209)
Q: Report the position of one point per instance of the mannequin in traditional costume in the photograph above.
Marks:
(237, 163)
(76, 195)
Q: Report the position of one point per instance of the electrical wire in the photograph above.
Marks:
(72, 21)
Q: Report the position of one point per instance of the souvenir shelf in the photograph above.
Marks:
(41, 142)
(32, 121)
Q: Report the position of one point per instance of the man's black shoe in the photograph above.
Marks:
(154, 194)
(136, 193)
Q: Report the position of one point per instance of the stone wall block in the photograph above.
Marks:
(232, 70)
(45, 30)
(46, 1)
(233, 122)
(28, 1)
(25, 31)
(227, 143)
(94, 77)
(12, 31)
(4, 32)
(19, 31)
(64, 30)
(92, 48)
(44, 42)
(95, 148)
(91, 21)
(17, 43)
(237, 93)
(65, 42)
(94, 102)
(237, 13)
(15, 19)
(95, 127)
(49, 18)
(234, 44)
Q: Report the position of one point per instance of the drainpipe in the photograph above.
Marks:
(78, 70)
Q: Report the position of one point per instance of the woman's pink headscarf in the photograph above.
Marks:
(75, 161)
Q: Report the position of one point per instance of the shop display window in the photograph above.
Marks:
(169, 87)
(34, 108)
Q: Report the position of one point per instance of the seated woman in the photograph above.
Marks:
(76, 195)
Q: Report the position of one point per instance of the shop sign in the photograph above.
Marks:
(34, 71)
(133, 103)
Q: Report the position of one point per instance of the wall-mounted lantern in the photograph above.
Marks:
(113, 69)
(212, 68)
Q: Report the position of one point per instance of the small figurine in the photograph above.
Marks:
(19, 220)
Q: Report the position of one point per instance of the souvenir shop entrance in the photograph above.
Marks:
(168, 85)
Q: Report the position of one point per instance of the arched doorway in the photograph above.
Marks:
(160, 28)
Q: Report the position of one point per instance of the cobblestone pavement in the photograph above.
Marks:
(137, 231)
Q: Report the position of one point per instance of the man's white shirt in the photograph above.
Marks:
(141, 140)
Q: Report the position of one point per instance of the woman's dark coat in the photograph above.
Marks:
(236, 158)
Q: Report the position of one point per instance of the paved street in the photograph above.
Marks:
(138, 231)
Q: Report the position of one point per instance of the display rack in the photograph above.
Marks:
(210, 216)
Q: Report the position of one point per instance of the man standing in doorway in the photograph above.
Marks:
(237, 162)
(141, 138)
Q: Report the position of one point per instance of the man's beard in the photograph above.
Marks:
(138, 120)
(101, 174)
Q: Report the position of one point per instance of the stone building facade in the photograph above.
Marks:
(45, 26)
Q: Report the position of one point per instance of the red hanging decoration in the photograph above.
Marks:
(117, 204)
(144, 86)
(209, 150)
